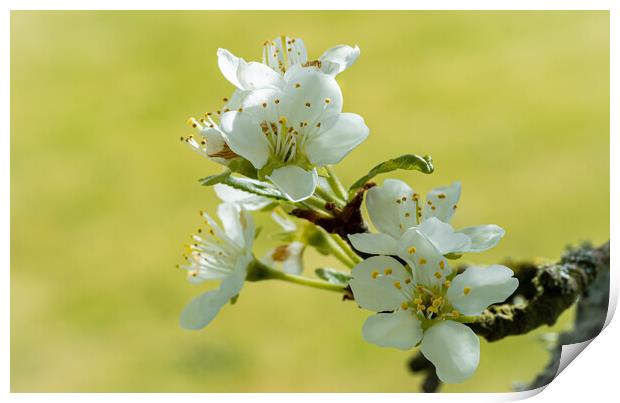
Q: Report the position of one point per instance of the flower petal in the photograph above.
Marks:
(254, 75)
(443, 201)
(245, 137)
(229, 216)
(229, 64)
(382, 203)
(346, 131)
(430, 267)
(296, 183)
(311, 98)
(454, 350)
(375, 244)
(289, 255)
(443, 236)
(247, 201)
(483, 237)
(217, 149)
(342, 55)
(401, 330)
(472, 291)
(203, 309)
(373, 283)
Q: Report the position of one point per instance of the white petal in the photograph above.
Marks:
(229, 64)
(247, 201)
(203, 309)
(342, 55)
(288, 255)
(255, 75)
(400, 329)
(249, 231)
(443, 236)
(375, 290)
(312, 97)
(483, 237)
(229, 216)
(454, 350)
(375, 244)
(217, 148)
(472, 291)
(245, 137)
(346, 131)
(284, 222)
(383, 204)
(430, 267)
(443, 201)
(296, 183)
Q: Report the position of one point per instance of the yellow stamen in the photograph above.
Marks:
(411, 250)
(374, 274)
(397, 285)
(422, 261)
(466, 290)
(387, 271)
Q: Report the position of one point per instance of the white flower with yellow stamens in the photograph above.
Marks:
(394, 208)
(422, 303)
(279, 56)
(218, 253)
(209, 140)
(286, 133)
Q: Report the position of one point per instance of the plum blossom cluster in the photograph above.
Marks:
(278, 136)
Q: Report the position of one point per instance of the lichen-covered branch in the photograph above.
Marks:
(547, 291)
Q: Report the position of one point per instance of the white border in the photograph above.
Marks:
(591, 377)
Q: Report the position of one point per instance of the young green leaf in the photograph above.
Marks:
(332, 275)
(215, 179)
(408, 161)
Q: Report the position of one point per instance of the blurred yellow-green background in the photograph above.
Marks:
(103, 195)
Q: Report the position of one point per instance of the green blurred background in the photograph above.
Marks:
(103, 195)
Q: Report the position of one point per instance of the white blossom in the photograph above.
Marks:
(394, 208)
(287, 132)
(421, 304)
(218, 253)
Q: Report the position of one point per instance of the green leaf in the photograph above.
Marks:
(408, 161)
(214, 179)
(332, 275)
(234, 299)
(254, 186)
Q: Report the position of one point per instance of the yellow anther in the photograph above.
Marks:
(437, 301)
(430, 203)
(277, 101)
(422, 261)
(328, 100)
(408, 281)
(432, 309)
(308, 104)
(297, 85)
(442, 265)
(225, 99)
(407, 214)
(441, 196)
(192, 122)
(397, 285)
(433, 207)
(404, 306)
(404, 198)
(454, 207)
(411, 250)
(374, 274)
(466, 290)
(418, 301)
(437, 275)
(282, 120)
(264, 104)
(447, 283)
(421, 307)
(455, 314)
(387, 271)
